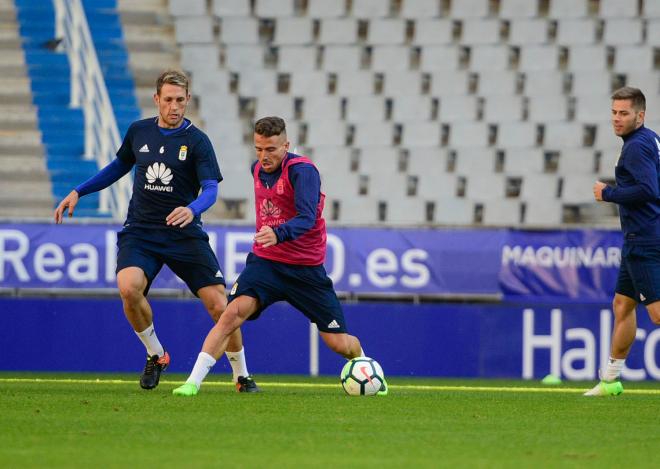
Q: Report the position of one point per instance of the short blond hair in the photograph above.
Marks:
(172, 77)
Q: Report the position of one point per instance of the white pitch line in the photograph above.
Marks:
(411, 387)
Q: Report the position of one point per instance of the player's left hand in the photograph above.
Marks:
(266, 237)
(180, 216)
(598, 190)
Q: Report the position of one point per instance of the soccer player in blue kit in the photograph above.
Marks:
(173, 159)
(286, 262)
(637, 193)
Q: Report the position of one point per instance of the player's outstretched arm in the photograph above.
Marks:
(70, 202)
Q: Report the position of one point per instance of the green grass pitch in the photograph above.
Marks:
(98, 421)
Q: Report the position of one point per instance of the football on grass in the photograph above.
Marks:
(362, 376)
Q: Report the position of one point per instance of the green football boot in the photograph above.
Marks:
(384, 389)
(188, 389)
(606, 388)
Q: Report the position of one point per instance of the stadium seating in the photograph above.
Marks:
(524, 82)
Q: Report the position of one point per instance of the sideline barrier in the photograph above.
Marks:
(507, 340)
(485, 264)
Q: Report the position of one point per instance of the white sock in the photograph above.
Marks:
(202, 367)
(151, 342)
(613, 369)
(238, 364)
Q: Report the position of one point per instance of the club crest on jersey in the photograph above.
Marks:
(279, 188)
(183, 152)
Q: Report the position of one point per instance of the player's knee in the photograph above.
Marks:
(216, 308)
(130, 293)
(622, 305)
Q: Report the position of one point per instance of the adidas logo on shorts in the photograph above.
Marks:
(218, 274)
(333, 325)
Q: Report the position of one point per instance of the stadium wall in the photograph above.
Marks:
(505, 340)
(532, 303)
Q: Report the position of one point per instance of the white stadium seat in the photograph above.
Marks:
(187, 7)
(338, 31)
(412, 108)
(498, 82)
(323, 106)
(450, 82)
(435, 58)
(535, 57)
(591, 83)
(388, 58)
(587, 58)
(562, 9)
(470, 134)
(470, 9)
(618, 8)
(370, 8)
(294, 59)
(325, 9)
(490, 58)
(402, 83)
(578, 161)
(420, 9)
(454, 211)
(481, 31)
(194, 29)
(225, 8)
(516, 135)
(623, 31)
(501, 212)
(518, 9)
(355, 82)
(421, 134)
(308, 83)
(368, 107)
(296, 31)
(433, 31)
(576, 31)
(543, 212)
(548, 108)
(528, 31)
(525, 161)
(405, 210)
(633, 58)
(387, 31)
(274, 8)
(502, 108)
(337, 58)
(239, 30)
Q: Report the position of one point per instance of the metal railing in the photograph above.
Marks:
(89, 92)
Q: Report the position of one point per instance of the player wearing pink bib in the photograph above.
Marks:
(286, 262)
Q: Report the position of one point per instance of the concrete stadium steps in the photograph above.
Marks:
(25, 186)
(18, 117)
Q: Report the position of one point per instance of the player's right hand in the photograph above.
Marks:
(69, 201)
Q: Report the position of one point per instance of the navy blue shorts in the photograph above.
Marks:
(639, 274)
(188, 253)
(307, 288)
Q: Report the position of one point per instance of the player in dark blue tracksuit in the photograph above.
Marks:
(173, 160)
(637, 193)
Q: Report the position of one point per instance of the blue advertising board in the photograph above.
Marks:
(508, 340)
(526, 265)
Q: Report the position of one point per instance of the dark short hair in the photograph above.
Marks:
(269, 126)
(172, 77)
(635, 95)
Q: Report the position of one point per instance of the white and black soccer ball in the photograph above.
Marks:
(362, 376)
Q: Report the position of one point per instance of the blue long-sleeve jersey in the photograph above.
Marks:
(637, 190)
